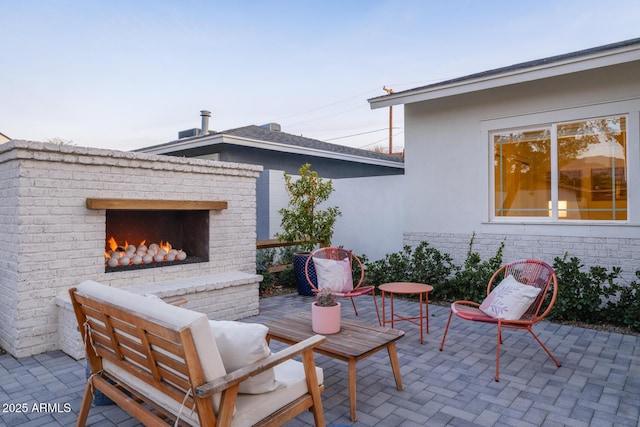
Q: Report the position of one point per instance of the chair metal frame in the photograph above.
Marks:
(529, 272)
(339, 254)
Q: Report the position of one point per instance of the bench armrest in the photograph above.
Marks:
(236, 377)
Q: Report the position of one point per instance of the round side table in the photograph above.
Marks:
(406, 288)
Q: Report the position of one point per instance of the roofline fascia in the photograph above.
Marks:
(222, 138)
(509, 77)
(182, 144)
(288, 148)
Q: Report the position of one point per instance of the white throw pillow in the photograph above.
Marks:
(509, 300)
(241, 344)
(333, 275)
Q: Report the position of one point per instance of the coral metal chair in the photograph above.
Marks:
(528, 272)
(339, 254)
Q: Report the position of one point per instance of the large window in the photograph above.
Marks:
(565, 171)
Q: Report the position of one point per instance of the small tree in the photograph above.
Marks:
(303, 220)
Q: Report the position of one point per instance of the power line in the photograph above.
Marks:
(331, 104)
(380, 140)
(356, 134)
(325, 106)
(324, 117)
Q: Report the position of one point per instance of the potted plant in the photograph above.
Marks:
(303, 221)
(325, 313)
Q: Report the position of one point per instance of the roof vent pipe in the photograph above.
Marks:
(204, 130)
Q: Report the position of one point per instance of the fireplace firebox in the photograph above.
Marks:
(182, 231)
(155, 233)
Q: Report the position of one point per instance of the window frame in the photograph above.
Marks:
(516, 124)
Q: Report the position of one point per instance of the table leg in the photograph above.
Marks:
(392, 312)
(384, 316)
(352, 388)
(426, 294)
(395, 365)
(421, 317)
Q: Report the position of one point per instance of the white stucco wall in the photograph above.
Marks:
(372, 212)
(278, 199)
(448, 158)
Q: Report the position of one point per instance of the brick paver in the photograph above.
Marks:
(598, 383)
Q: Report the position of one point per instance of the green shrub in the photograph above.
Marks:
(287, 278)
(582, 294)
(285, 254)
(470, 281)
(624, 310)
(265, 258)
(591, 295)
(422, 264)
(268, 281)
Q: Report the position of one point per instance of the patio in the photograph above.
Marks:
(598, 383)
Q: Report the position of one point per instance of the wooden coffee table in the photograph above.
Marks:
(355, 341)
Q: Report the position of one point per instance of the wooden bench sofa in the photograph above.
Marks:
(163, 363)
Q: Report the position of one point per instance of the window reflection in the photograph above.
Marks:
(592, 168)
(591, 175)
(522, 164)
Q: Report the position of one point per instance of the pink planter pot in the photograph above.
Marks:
(325, 320)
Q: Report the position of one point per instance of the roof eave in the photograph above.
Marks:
(294, 149)
(221, 138)
(182, 144)
(509, 77)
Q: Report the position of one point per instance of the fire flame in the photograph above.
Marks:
(166, 246)
(112, 244)
(118, 255)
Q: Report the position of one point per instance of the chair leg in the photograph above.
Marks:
(87, 398)
(544, 347)
(353, 303)
(498, 352)
(444, 337)
(375, 303)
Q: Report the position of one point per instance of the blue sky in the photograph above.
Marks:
(125, 74)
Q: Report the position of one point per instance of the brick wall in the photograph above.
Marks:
(607, 252)
(9, 240)
(51, 241)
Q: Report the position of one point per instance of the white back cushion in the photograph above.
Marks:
(333, 275)
(241, 344)
(509, 300)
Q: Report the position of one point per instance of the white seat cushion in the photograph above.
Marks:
(250, 408)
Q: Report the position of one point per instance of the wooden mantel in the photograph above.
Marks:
(164, 205)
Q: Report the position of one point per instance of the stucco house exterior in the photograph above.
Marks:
(367, 184)
(543, 155)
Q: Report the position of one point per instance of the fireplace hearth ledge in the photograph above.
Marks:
(221, 296)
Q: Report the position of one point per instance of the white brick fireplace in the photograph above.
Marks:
(52, 237)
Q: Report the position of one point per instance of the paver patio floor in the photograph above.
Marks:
(598, 383)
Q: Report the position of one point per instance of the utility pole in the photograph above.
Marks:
(389, 92)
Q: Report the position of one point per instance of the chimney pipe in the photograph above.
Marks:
(205, 122)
